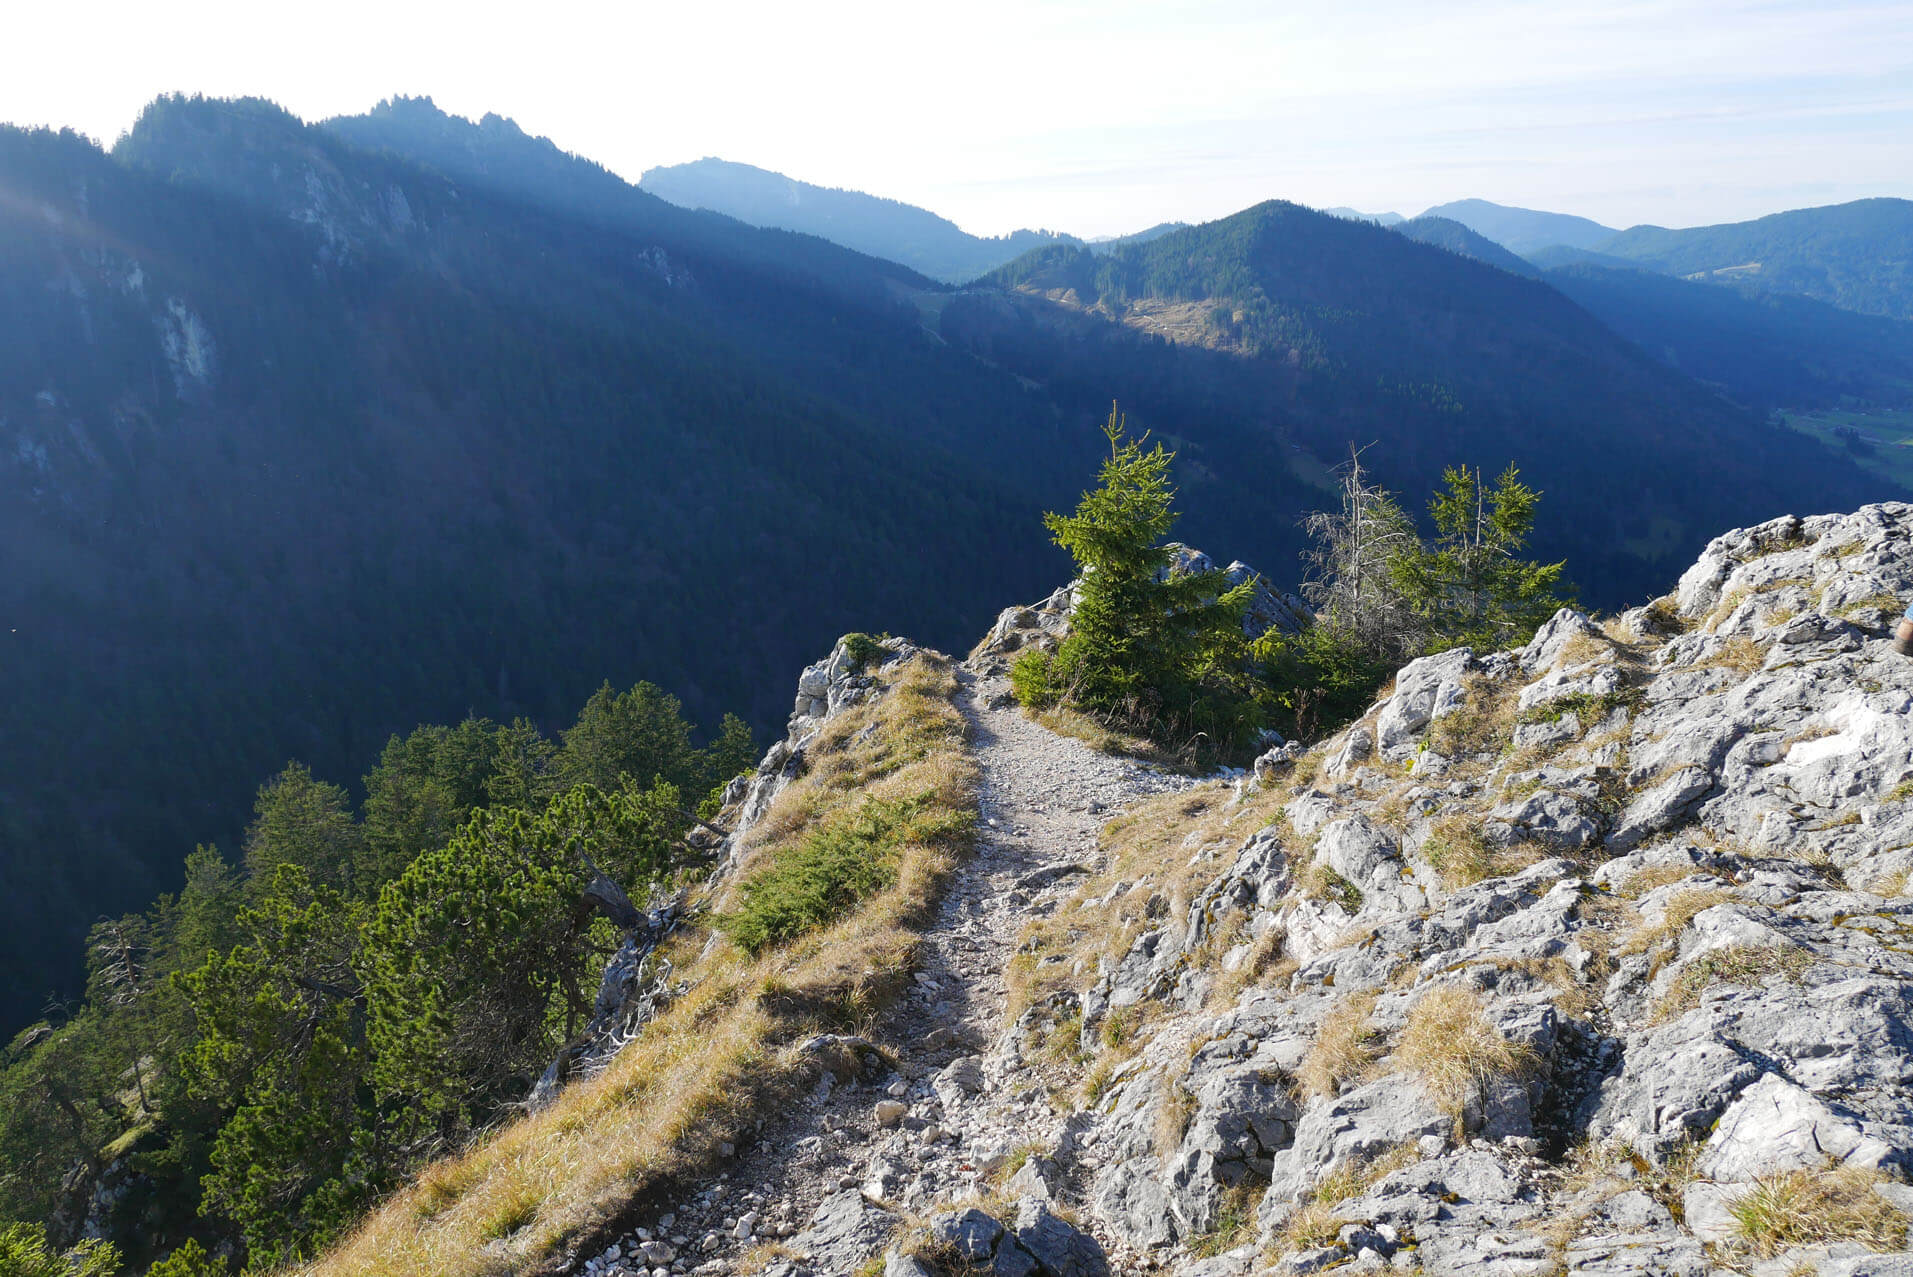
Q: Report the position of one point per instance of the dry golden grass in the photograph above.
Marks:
(1742, 655)
(1316, 1222)
(1483, 725)
(1802, 1208)
(1877, 610)
(1345, 1046)
(1583, 648)
(1664, 615)
(1462, 856)
(1172, 1115)
(1235, 1221)
(1682, 908)
(1893, 884)
(1264, 966)
(558, 1181)
(1571, 997)
(1642, 881)
(1454, 1048)
(1099, 736)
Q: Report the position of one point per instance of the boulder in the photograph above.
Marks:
(844, 1231)
(1775, 1126)
(1059, 1247)
(970, 1233)
(1354, 1127)
(1425, 690)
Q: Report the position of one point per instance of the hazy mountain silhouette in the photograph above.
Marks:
(884, 228)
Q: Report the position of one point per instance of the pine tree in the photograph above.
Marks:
(281, 1056)
(1471, 588)
(475, 960)
(305, 822)
(1153, 648)
(426, 785)
(640, 734)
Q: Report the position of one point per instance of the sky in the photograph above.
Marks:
(1095, 118)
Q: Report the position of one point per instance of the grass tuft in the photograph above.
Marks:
(1454, 1048)
(1735, 964)
(1345, 1046)
(1800, 1208)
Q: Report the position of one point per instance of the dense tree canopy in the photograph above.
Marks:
(276, 1045)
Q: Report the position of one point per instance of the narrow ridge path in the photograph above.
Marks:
(802, 1197)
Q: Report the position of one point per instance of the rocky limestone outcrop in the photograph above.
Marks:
(1593, 956)
(1622, 920)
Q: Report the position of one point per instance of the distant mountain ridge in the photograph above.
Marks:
(1359, 332)
(1857, 256)
(1356, 215)
(887, 228)
(1456, 238)
(1522, 230)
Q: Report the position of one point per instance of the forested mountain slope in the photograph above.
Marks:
(1857, 256)
(1445, 233)
(306, 443)
(1327, 330)
(315, 433)
(1765, 350)
(305, 446)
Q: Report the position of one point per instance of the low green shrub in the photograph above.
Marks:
(1033, 680)
(863, 649)
(833, 869)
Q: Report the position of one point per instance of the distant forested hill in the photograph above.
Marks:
(884, 228)
(1522, 230)
(1456, 238)
(312, 434)
(1358, 332)
(1857, 256)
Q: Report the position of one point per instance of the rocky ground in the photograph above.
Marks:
(1591, 956)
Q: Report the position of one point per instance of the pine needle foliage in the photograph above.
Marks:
(1155, 649)
(24, 1252)
(1472, 587)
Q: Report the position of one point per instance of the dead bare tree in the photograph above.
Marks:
(1353, 582)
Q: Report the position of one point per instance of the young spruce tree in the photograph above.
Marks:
(1472, 587)
(1158, 651)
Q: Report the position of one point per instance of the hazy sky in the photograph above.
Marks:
(1095, 118)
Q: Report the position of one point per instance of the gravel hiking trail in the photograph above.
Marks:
(816, 1190)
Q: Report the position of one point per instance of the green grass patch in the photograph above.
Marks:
(1588, 708)
(836, 867)
(1885, 437)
